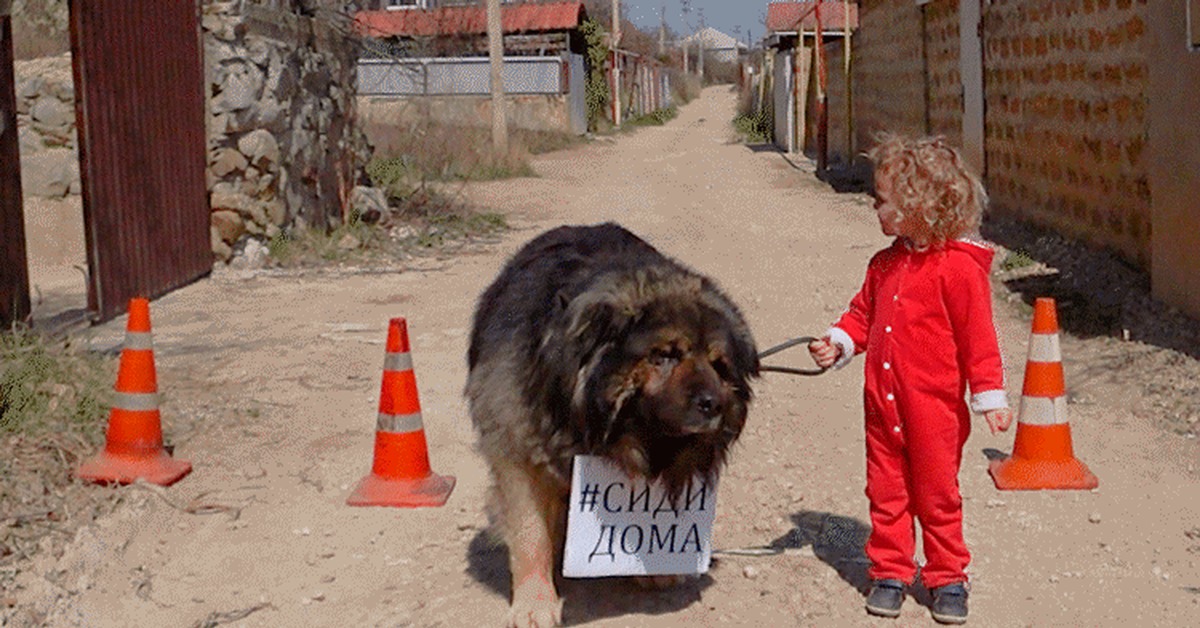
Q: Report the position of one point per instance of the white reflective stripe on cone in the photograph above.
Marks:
(135, 402)
(397, 362)
(398, 423)
(1043, 410)
(1044, 348)
(141, 340)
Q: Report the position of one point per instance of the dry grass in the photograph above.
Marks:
(438, 152)
(53, 405)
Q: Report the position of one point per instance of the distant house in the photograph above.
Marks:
(717, 45)
(809, 105)
(403, 5)
(529, 29)
(437, 59)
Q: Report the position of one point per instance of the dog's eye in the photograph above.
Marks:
(723, 369)
(662, 357)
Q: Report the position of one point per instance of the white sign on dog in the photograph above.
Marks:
(622, 526)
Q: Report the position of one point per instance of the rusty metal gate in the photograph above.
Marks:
(14, 272)
(139, 84)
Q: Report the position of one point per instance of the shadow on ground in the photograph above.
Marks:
(839, 541)
(584, 599)
(763, 148)
(836, 540)
(1097, 293)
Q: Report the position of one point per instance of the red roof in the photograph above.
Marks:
(469, 20)
(782, 16)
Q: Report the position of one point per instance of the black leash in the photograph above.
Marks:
(787, 369)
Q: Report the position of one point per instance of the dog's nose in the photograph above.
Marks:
(707, 404)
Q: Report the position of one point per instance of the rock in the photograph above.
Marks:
(349, 242)
(29, 141)
(254, 255)
(260, 148)
(224, 198)
(369, 203)
(221, 250)
(276, 212)
(226, 161)
(229, 224)
(52, 113)
(49, 173)
(1094, 517)
(28, 89)
(253, 472)
(243, 86)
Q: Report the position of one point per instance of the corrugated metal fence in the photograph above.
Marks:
(139, 84)
(442, 76)
(471, 76)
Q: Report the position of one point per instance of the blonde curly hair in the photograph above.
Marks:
(936, 195)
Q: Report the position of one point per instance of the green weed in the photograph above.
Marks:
(754, 128)
(1017, 259)
(48, 385)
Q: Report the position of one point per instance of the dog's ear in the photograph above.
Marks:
(594, 322)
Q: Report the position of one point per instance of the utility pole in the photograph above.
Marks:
(846, 50)
(615, 40)
(662, 29)
(700, 45)
(495, 31)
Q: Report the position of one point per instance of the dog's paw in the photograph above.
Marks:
(535, 605)
(660, 582)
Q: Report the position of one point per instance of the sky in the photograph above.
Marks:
(732, 17)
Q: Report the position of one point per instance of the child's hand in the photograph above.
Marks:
(824, 353)
(999, 419)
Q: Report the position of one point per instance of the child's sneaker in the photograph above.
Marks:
(885, 598)
(950, 604)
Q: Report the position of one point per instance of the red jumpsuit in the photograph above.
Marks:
(924, 319)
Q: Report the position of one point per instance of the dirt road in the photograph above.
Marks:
(271, 385)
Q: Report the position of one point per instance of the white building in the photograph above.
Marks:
(717, 45)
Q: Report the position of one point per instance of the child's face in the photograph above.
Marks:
(889, 216)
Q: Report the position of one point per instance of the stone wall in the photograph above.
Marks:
(1066, 118)
(45, 95)
(284, 148)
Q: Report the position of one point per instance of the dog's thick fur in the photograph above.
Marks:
(592, 342)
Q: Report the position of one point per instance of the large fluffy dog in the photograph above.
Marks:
(592, 342)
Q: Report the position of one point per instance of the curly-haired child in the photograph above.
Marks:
(924, 320)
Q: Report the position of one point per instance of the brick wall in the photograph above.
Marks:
(1066, 118)
(942, 48)
(889, 80)
(1174, 128)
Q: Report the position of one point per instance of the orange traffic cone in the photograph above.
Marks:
(400, 475)
(134, 441)
(1042, 455)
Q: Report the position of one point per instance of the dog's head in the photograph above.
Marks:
(663, 368)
